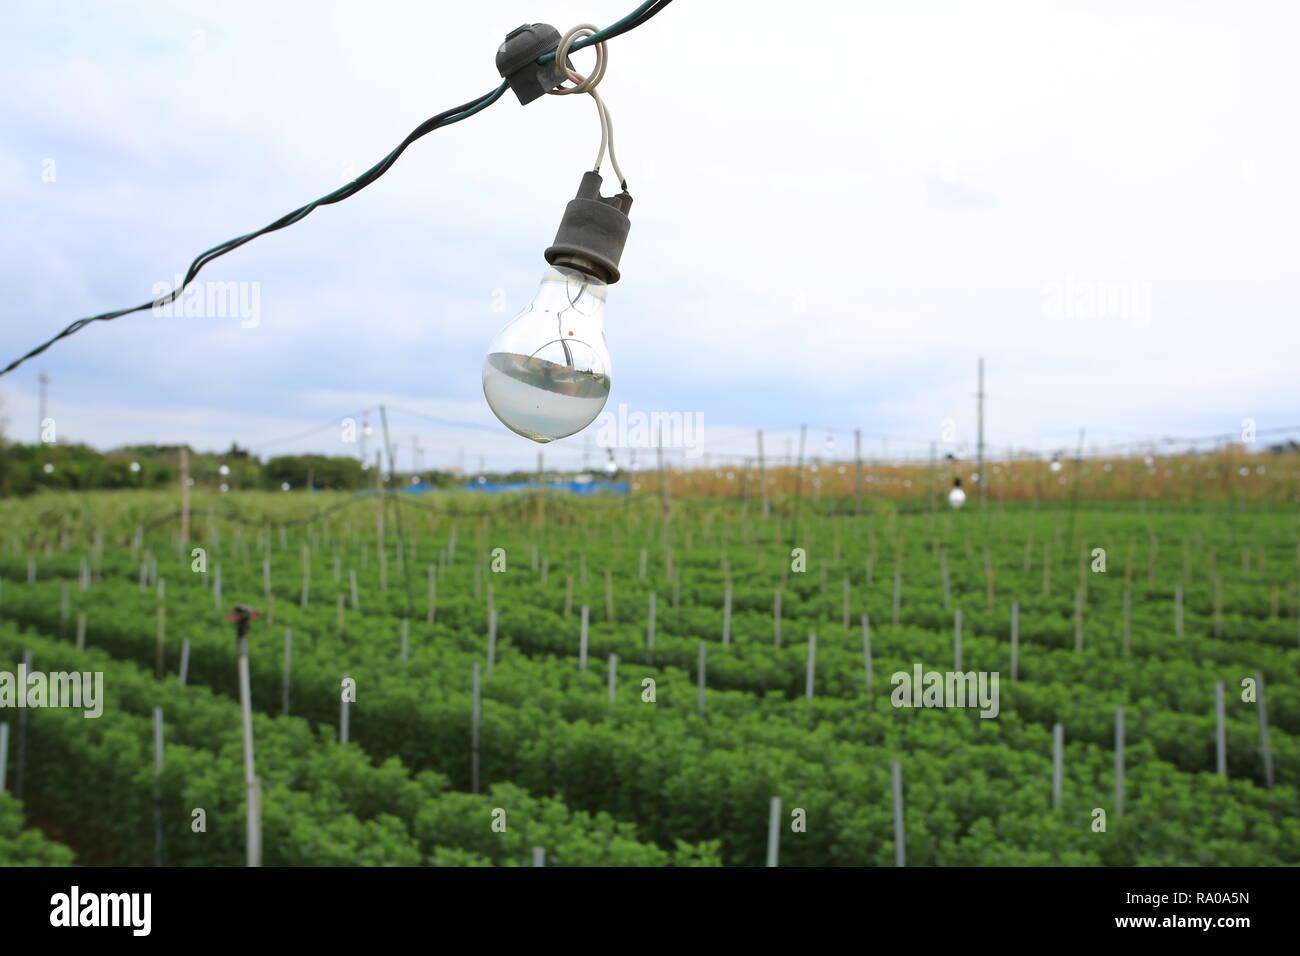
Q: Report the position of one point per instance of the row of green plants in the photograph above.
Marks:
(1162, 677)
(323, 803)
(655, 765)
(1170, 681)
(21, 845)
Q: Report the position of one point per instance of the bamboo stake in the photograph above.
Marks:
(866, 653)
(900, 836)
(477, 704)
(812, 666)
(774, 832)
(1015, 640)
(1220, 732)
(1119, 761)
(582, 641)
(1058, 752)
(1265, 752)
(699, 677)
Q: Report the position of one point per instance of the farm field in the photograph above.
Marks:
(699, 695)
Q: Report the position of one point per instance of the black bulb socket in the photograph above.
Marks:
(593, 231)
(517, 60)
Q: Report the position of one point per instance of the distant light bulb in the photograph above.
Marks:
(956, 497)
(1056, 465)
(223, 470)
(284, 486)
(547, 373)
(135, 466)
(49, 469)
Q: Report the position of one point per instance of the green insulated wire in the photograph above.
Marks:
(445, 118)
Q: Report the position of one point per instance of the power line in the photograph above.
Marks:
(298, 436)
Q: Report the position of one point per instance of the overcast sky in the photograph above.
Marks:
(838, 208)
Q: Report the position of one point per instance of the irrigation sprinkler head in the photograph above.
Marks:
(240, 617)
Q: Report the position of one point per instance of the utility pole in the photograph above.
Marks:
(1074, 482)
(40, 422)
(379, 504)
(931, 492)
(663, 478)
(979, 452)
(857, 471)
(185, 496)
(798, 483)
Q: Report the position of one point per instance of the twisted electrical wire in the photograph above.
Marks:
(588, 84)
(446, 118)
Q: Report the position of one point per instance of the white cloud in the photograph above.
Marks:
(835, 214)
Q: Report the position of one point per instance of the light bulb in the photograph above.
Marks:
(956, 497)
(547, 373)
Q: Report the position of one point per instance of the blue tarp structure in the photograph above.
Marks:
(571, 487)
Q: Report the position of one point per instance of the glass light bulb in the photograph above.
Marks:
(547, 373)
(956, 498)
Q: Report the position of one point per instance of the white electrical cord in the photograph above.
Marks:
(587, 84)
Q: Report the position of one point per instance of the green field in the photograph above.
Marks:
(682, 779)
